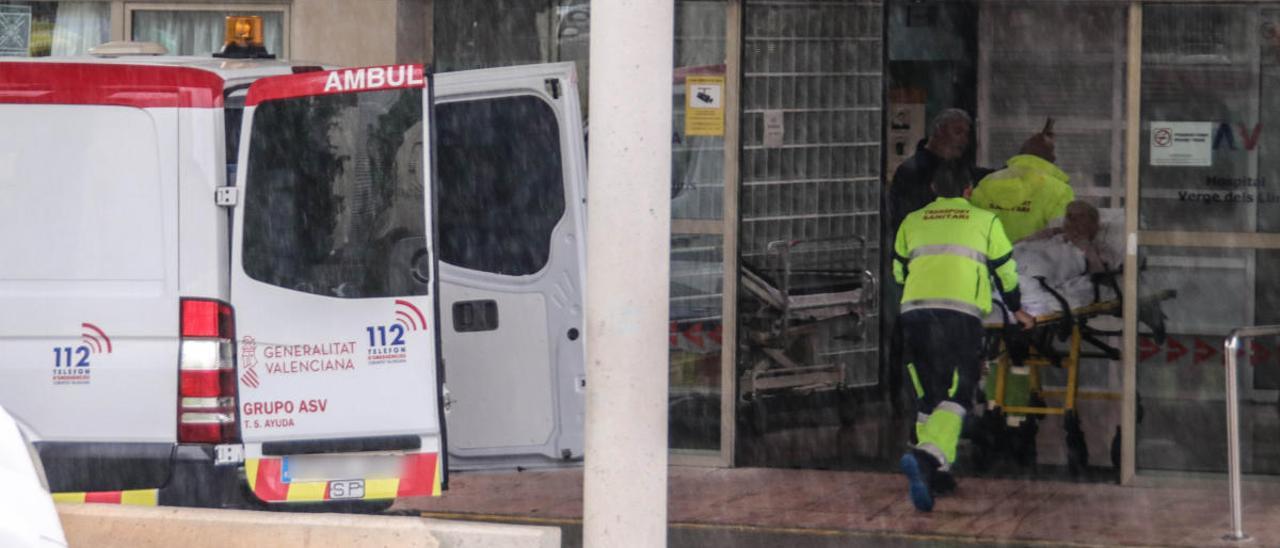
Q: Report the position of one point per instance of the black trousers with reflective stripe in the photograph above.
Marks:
(943, 345)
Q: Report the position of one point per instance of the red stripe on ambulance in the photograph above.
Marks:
(419, 475)
(270, 486)
(109, 84)
(336, 81)
(134, 497)
(103, 497)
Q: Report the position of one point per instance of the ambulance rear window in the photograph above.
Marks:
(334, 202)
(501, 183)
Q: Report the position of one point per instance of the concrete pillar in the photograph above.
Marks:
(628, 258)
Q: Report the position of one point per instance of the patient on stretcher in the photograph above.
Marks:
(1065, 259)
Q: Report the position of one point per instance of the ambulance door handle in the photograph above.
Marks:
(420, 266)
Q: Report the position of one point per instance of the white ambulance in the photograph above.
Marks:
(244, 282)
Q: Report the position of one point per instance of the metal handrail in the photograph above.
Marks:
(1230, 347)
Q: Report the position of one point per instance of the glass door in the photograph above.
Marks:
(1208, 216)
(703, 226)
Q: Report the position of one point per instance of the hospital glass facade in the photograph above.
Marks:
(820, 102)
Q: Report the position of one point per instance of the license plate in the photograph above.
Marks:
(309, 468)
(346, 489)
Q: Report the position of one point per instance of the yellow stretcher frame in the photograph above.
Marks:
(1071, 362)
(1069, 393)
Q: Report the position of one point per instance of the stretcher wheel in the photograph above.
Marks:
(1036, 400)
(1023, 442)
(1077, 449)
(986, 437)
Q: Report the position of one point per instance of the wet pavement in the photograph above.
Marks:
(781, 507)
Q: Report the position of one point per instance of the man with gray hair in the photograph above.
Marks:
(909, 191)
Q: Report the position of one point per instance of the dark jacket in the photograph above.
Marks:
(910, 189)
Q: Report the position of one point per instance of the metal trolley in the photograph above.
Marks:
(789, 313)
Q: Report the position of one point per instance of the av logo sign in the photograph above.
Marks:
(1225, 136)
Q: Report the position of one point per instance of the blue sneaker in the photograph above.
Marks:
(917, 482)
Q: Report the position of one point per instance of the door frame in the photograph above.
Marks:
(1129, 310)
(727, 229)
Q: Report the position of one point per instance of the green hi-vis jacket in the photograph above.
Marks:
(1027, 194)
(944, 254)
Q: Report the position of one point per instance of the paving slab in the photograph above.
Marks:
(1158, 512)
(117, 526)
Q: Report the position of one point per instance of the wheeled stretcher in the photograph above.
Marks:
(1061, 339)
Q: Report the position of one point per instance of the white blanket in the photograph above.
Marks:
(1063, 267)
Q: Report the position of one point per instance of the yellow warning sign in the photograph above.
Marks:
(704, 105)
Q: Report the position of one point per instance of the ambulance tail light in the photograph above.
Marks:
(207, 391)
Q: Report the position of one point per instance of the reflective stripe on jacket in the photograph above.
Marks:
(1027, 195)
(944, 255)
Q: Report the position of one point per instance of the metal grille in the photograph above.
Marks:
(817, 64)
(1060, 60)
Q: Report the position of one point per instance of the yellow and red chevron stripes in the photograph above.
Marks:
(697, 337)
(135, 497)
(419, 476)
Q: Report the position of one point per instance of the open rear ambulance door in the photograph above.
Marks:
(333, 284)
(511, 182)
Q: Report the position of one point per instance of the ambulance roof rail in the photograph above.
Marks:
(117, 48)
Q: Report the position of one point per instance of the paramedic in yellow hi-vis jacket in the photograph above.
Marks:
(944, 255)
(1030, 192)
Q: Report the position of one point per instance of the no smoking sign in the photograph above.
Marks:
(1181, 144)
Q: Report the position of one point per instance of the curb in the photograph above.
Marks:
(109, 526)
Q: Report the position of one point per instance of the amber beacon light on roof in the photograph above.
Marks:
(243, 38)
